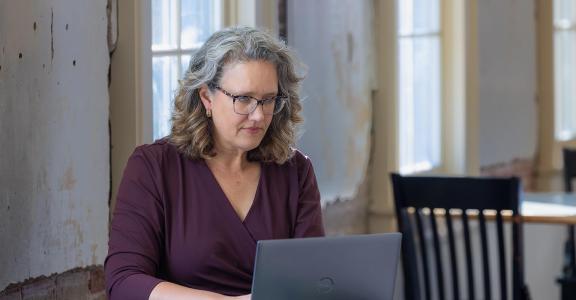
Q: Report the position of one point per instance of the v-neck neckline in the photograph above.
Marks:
(225, 199)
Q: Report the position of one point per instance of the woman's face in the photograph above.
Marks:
(235, 132)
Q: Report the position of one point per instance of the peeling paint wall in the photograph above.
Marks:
(334, 39)
(54, 156)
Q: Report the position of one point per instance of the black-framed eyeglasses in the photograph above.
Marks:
(245, 105)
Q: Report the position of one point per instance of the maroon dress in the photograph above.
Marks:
(174, 223)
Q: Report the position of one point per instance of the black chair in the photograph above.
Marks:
(569, 156)
(413, 194)
(568, 278)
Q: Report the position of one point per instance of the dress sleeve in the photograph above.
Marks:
(136, 233)
(309, 216)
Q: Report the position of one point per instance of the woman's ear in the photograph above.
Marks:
(206, 97)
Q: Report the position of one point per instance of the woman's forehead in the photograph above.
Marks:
(250, 76)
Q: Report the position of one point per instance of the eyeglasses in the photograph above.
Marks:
(245, 105)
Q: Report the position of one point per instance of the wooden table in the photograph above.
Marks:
(547, 208)
(551, 208)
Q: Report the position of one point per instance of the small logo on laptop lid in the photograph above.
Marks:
(325, 285)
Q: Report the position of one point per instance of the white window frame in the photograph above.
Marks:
(144, 95)
(459, 92)
(178, 51)
(550, 148)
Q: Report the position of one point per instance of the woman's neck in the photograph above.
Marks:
(231, 161)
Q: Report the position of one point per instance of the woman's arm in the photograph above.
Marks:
(309, 216)
(170, 291)
(136, 232)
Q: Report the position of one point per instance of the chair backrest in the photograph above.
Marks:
(420, 194)
(569, 168)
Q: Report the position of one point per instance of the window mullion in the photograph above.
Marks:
(420, 33)
(174, 52)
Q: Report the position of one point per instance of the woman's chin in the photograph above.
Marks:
(249, 147)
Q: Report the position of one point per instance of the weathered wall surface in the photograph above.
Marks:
(54, 156)
(334, 39)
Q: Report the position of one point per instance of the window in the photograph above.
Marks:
(179, 27)
(565, 69)
(419, 85)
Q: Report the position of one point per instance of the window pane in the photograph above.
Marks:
(185, 60)
(165, 75)
(418, 16)
(198, 22)
(564, 11)
(419, 103)
(164, 24)
(565, 84)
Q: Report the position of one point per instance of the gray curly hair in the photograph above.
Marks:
(191, 130)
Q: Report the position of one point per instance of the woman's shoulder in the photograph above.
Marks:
(298, 161)
(158, 148)
(298, 157)
(157, 153)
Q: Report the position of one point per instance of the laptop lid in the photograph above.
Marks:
(357, 267)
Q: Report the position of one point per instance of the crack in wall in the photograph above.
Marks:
(52, 35)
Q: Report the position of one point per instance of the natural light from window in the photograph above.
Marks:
(565, 69)
(179, 27)
(419, 92)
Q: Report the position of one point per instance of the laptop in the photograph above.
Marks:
(357, 267)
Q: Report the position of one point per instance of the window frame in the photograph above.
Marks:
(549, 155)
(458, 65)
(459, 95)
(177, 52)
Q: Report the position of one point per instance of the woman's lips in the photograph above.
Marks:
(252, 130)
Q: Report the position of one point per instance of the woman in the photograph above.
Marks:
(192, 206)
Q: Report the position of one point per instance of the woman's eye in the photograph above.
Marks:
(269, 100)
(243, 99)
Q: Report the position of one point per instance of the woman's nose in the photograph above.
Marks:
(258, 113)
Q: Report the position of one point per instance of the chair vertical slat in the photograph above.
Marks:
(485, 257)
(437, 255)
(571, 248)
(569, 162)
(423, 253)
(569, 166)
(517, 273)
(453, 257)
(412, 290)
(502, 256)
(468, 250)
